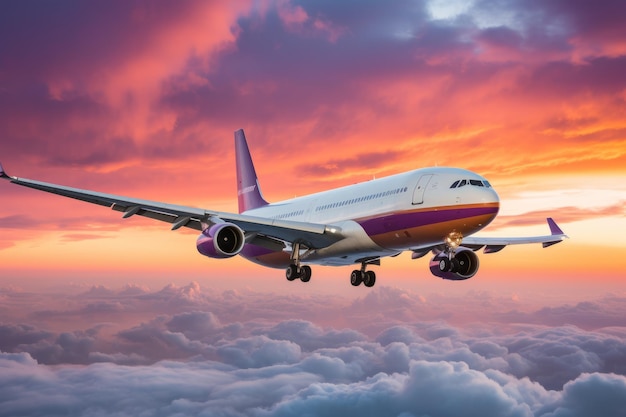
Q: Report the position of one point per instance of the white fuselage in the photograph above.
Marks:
(411, 210)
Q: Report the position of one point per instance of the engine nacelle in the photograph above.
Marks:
(463, 265)
(222, 240)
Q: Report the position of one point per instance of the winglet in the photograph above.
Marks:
(2, 173)
(554, 228)
(556, 231)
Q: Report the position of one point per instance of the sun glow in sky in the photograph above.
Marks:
(142, 98)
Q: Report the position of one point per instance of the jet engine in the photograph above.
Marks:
(463, 265)
(222, 240)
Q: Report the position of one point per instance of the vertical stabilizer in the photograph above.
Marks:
(248, 190)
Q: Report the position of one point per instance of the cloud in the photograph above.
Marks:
(425, 390)
(591, 394)
(258, 352)
(349, 75)
(183, 357)
(194, 324)
(562, 215)
(12, 336)
(311, 337)
(348, 166)
(196, 388)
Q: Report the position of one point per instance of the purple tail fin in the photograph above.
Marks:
(248, 190)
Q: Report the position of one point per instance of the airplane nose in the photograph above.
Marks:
(489, 195)
(494, 196)
(494, 200)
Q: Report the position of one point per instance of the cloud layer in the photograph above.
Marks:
(193, 351)
(141, 98)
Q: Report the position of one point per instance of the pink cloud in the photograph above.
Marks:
(198, 360)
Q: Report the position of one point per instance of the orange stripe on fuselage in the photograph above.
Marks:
(431, 234)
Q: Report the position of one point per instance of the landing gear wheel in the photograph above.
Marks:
(292, 272)
(369, 279)
(445, 265)
(305, 273)
(356, 278)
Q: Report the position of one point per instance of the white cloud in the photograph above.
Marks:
(183, 358)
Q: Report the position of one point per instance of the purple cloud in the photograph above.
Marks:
(185, 358)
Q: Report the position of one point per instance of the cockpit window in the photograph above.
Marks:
(476, 183)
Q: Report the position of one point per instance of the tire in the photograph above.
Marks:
(305, 273)
(444, 264)
(370, 279)
(356, 278)
(292, 272)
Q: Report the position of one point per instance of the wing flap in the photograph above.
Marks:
(177, 220)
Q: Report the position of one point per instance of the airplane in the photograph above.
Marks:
(429, 210)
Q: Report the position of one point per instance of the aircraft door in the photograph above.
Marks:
(309, 214)
(420, 188)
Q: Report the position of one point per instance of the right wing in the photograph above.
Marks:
(257, 229)
(496, 244)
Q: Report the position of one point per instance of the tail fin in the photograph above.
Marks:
(248, 190)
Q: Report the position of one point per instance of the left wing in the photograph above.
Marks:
(312, 235)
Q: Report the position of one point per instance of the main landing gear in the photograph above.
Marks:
(358, 276)
(295, 270)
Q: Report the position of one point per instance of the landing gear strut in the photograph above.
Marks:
(358, 276)
(450, 263)
(295, 270)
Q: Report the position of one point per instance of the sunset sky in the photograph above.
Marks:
(141, 98)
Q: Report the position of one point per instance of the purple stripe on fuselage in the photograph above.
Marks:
(252, 251)
(407, 220)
